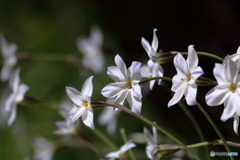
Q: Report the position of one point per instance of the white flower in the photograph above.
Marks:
(155, 68)
(8, 53)
(44, 149)
(17, 95)
(91, 49)
(82, 103)
(152, 141)
(117, 154)
(152, 70)
(227, 91)
(184, 80)
(126, 85)
(236, 57)
(109, 117)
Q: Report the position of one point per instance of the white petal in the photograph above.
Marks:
(181, 66)
(219, 74)
(217, 95)
(191, 94)
(128, 145)
(113, 89)
(236, 123)
(229, 109)
(115, 73)
(146, 46)
(75, 96)
(137, 89)
(135, 102)
(176, 97)
(145, 71)
(192, 58)
(230, 69)
(113, 155)
(87, 87)
(238, 50)
(23, 88)
(121, 65)
(121, 97)
(15, 80)
(6, 72)
(148, 136)
(96, 36)
(9, 102)
(155, 41)
(87, 118)
(154, 130)
(134, 71)
(195, 73)
(12, 115)
(79, 112)
(152, 82)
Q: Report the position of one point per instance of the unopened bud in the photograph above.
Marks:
(165, 149)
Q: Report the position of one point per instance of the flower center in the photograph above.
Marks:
(189, 76)
(128, 84)
(85, 104)
(232, 88)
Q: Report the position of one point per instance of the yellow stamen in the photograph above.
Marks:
(128, 84)
(189, 76)
(85, 104)
(232, 88)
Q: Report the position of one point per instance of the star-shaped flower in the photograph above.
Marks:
(10, 59)
(18, 91)
(117, 154)
(44, 149)
(126, 84)
(91, 49)
(184, 80)
(155, 68)
(227, 91)
(82, 103)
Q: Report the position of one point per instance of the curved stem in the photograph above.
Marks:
(113, 104)
(215, 128)
(217, 142)
(206, 54)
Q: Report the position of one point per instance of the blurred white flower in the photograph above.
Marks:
(126, 84)
(236, 58)
(184, 81)
(9, 58)
(151, 148)
(227, 91)
(44, 149)
(117, 154)
(109, 117)
(91, 49)
(82, 103)
(18, 91)
(155, 69)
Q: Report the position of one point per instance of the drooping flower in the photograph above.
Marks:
(91, 49)
(155, 69)
(126, 84)
(44, 149)
(227, 91)
(18, 91)
(184, 81)
(151, 148)
(109, 117)
(9, 57)
(82, 103)
(117, 154)
(236, 58)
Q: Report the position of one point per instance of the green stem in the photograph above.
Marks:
(154, 125)
(217, 142)
(163, 78)
(215, 128)
(206, 54)
(104, 139)
(124, 137)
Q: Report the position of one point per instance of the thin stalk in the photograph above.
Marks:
(217, 142)
(206, 54)
(104, 139)
(215, 128)
(113, 104)
(163, 78)
(124, 137)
